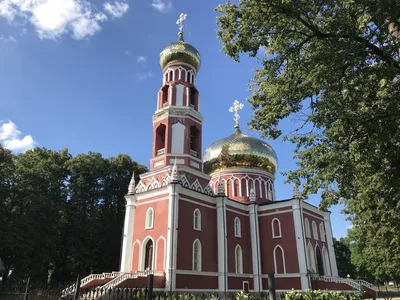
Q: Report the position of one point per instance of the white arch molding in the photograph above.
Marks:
(238, 259)
(156, 252)
(149, 218)
(283, 259)
(196, 256)
(133, 253)
(143, 252)
(311, 264)
(307, 228)
(325, 260)
(279, 235)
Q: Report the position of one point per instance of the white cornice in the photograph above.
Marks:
(180, 64)
(313, 209)
(275, 205)
(152, 193)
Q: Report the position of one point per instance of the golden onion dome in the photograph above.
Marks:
(240, 151)
(180, 52)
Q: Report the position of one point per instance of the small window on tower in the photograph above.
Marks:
(194, 141)
(197, 219)
(160, 139)
(237, 229)
(164, 96)
(149, 218)
(194, 95)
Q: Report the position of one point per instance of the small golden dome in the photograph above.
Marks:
(180, 52)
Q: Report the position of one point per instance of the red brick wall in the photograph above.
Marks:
(185, 281)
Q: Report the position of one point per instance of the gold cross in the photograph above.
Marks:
(235, 108)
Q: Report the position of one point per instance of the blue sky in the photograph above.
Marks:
(84, 75)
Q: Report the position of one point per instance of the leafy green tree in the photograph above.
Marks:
(334, 66)
(343, 258)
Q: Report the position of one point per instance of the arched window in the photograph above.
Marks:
(310, 258)
(188, 76)
(197, 256)
(237, 227)
(194, 95)
(149, 255)
(238, 260)
(325, 257)
(315, 230)
(279, 260)
(235, 188)
(170, 75)
(307, 228)
(276, 228)
(322, 232)
(197, 219)
(164, 96)
(160, 139)
(182, 74)
(320, 264)
(194, 141)
(150, 218)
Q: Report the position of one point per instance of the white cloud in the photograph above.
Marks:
(53, 18)
(7, 39)
(141, 59)
(128, 53)
(10, 137)
(117, 10)
(144, 75)
(162, 5)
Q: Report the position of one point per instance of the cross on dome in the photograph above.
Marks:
(182, 18)
(235, 108)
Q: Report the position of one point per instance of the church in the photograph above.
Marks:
(212, 222)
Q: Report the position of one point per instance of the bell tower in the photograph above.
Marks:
(177, 122)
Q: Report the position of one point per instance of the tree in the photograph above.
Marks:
(61, 214)
(343, 258)
(334, 66)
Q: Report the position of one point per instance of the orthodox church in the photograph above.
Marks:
(212, 222)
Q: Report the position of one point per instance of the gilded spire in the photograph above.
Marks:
(175, 175)
(182, 18)
(235, 108)
(131, 188)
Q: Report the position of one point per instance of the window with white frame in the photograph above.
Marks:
(322, 232)
(276, 228)
(315, 230)
(197, 219)
(237, 228)
(279, 260)
(238, 260)
(196, 256)
(149, 218)
(307, 228)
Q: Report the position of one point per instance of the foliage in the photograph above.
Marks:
(343, 258)
(226, 160)
(322, 295)
(61, 214)
(334, 67)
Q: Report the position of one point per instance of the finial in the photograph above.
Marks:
(235, 108)
(175, 175)
(182, 18)
(296, 191)
(131, 188)
(252, 193)
(221, 188)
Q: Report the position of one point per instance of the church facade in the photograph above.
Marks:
(213, 223)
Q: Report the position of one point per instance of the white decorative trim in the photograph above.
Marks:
(149, 222)
(279, 235)
(139, 254)
(126, 255)
(238, 259)
(248, 285)
(275, 205)
(143, 253)
(283, 259)
(287, 275)
(151, 201)
(237, 212)
(322, 232)
(325, 261)
(196, 202)
(196, 186)
(190, 272)
(191, 68)
(275, 212)
(156, 252)
(178, 161)
(194, 164)
(313, 216)
(313, 209)
(307, 228)
(314, 230)
(240, 275)
(198, 225)
(237, 227)
(199, 256)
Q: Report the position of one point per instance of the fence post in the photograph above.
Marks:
(150, 283)
(27, 289)
(271, 287)
(77, 287)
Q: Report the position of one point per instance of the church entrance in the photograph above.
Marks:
(320, 264)
(148, 259)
